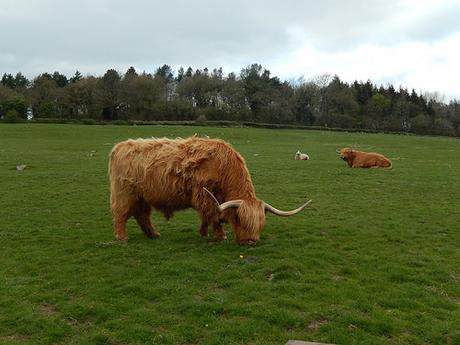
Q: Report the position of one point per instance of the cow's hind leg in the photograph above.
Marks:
(120, 217)
(120, 203)
(142, 211)
(119, 223)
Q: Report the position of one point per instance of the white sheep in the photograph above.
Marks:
(301, 156)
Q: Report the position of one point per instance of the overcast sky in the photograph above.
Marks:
(413, 43)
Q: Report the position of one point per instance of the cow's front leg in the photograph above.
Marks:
(204, 228)
(218, 231)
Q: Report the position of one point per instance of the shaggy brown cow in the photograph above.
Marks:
(360, 159)
(174, 174)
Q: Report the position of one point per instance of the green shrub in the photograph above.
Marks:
(88, 121)
(201, 118)
(12, 116)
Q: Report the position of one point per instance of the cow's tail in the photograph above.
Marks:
(110, 166)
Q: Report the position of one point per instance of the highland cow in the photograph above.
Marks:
(175, 174)
(360, 159)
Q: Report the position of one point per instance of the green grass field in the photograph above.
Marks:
(375, 260)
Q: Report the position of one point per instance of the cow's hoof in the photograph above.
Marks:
(154, 234)
(248, 243)
(122, 238)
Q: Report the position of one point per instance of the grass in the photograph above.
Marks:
(376, 260)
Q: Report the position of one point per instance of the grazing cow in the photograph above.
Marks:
(360, 159)
(174, 174)
(301, 156)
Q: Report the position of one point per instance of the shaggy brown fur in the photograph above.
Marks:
(169, 175)
(360, 159)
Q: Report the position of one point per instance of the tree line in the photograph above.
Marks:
(253, 95)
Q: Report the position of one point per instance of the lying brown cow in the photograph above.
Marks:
(174, 174)
(360, 159)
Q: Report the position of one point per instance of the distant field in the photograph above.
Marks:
(376, 260)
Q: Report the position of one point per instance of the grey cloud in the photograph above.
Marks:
(437, 25)
(45, 35)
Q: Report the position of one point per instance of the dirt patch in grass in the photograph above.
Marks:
(14, 338)
(316, 324)
(106, 244)
(48, 310)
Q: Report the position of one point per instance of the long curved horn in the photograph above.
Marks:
(225, 205)
(273, 210)
(229, 204)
